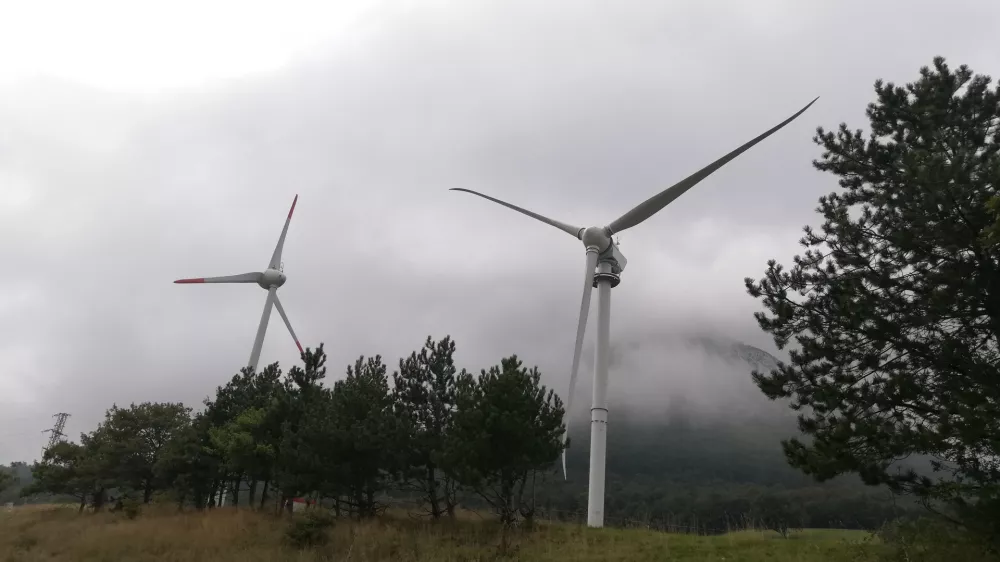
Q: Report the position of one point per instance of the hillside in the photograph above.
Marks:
(704, 452)
(711, 478)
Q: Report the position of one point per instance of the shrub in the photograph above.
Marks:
(131, 507)
(309, 530)
(930, 539)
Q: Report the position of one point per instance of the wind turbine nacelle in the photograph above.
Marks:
(618, 257)
(271, 278)
(613, 256)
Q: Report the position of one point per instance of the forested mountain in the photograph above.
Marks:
(688, 464)
(709, 476)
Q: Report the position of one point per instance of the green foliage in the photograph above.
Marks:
(310, 529)
(895, 306)
(506, 427)
(342, 442)
(365, 433)
(991, 236)
(424, 397)
(7, 478)
(68, 469)
(244, 428)
(188, 464)
(133, 441)
(131, 507)
(303, 428)
(239, 442)
(933, 540)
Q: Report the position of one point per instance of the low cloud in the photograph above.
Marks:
(578, 112)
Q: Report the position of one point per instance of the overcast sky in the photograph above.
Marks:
(142, 142)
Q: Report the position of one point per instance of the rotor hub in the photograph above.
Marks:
(272, 278)
(596, 237)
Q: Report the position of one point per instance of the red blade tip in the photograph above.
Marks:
(292, 210)
(197, 280)
(299, 345)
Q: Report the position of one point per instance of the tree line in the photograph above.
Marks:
(270, 436)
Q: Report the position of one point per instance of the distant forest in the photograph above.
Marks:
(712, 476)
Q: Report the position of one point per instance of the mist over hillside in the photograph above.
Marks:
(692, 441)
(680, 398)
(698, 377)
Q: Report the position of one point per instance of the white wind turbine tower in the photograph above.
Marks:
(270, 279)
(603, 254)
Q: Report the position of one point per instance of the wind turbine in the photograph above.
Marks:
(603, 254)
(269, 279)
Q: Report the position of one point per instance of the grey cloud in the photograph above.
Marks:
(576, 110)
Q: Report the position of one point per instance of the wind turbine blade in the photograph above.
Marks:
(653, 205)
(567, 228)
(281, 311)
(252, 277)
(259, 340)
(276, 256)
(581, 328)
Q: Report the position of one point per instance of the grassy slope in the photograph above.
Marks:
(28, 535)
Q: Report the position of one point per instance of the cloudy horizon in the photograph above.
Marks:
(139, 146)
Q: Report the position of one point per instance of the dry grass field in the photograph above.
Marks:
(60, 534)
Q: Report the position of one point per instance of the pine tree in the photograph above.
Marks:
(188, 466)
(302, 412)
(341, 442)
(247, 445)
(248, 390)
(505, 428)
(365, 443)
(895, 306)
(424, 397)
(135, 439)
(71, 469)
